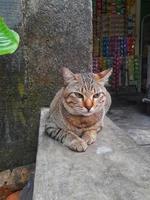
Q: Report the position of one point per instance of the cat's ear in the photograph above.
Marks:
(67, 75)
(103, 76)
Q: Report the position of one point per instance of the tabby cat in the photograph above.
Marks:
(77, 111)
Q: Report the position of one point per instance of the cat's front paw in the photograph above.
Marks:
(78, 145)
(89, 138)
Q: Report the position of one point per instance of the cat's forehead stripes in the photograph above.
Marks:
(87, 81)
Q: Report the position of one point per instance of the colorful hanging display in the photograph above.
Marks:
(114, 41)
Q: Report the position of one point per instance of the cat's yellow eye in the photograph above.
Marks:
(80, 96)
(95, 96)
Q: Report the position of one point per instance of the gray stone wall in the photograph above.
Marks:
(53, 34)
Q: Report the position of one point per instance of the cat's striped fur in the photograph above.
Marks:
(77, 111)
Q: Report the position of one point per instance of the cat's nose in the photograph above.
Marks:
(88, 103)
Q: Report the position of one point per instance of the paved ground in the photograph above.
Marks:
(133, 120)
(114, 168)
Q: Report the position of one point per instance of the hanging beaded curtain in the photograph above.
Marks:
(114, 41)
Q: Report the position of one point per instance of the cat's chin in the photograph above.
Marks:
(87, 113)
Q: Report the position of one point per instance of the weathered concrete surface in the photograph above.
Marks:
(53, 34)
(114, 168)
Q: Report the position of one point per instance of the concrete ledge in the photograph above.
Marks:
(114, 168)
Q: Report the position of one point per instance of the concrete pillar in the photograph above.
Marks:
(53, 34)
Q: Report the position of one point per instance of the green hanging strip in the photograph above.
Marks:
(9, 39)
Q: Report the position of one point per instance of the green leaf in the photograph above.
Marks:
(9, 39)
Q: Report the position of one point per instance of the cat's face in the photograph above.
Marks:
(84, 94)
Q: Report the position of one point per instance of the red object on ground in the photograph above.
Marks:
(14, 196)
